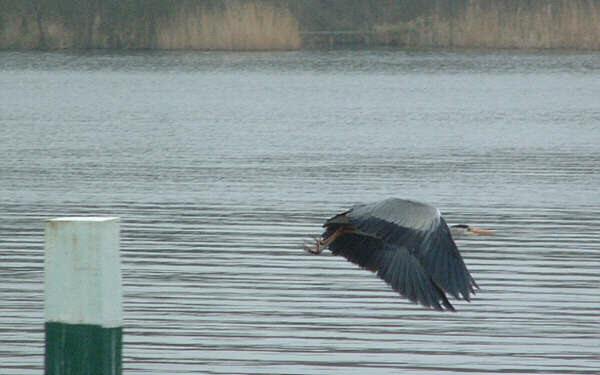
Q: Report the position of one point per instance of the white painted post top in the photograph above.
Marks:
(83, 271)
(84, 218)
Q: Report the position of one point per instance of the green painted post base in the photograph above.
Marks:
(83, 349)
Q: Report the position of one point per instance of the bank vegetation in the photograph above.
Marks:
(291, 24)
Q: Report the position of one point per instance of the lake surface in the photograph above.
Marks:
(221, 165)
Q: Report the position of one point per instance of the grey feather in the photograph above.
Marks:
(410, 247)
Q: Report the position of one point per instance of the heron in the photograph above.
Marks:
(408, 245)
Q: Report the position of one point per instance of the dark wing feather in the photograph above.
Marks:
(396, 266)
(422, 232)
(339, 219)
(437, 251)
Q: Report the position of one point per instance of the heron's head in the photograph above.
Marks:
(464, 229)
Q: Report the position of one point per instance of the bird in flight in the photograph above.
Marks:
(408, 245)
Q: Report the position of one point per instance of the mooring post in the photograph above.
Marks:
(83, 297)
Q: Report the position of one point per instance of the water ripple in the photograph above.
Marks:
(218, 188)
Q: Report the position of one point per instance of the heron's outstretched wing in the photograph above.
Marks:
(420, 229)
(396, 266)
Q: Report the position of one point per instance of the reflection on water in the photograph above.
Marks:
(221, 164)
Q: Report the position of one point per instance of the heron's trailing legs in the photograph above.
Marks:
(321, 244)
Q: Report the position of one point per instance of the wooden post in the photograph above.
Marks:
(83, 297)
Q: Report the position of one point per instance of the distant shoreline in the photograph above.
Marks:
(254, 25)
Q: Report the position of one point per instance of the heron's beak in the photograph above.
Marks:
(481, 231)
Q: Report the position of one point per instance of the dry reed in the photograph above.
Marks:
(271, 25)
(238, 25)
(494, 24)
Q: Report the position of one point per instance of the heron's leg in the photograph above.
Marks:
(315, 249)
(322, 244)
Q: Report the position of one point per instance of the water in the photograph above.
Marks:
(221, 164)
